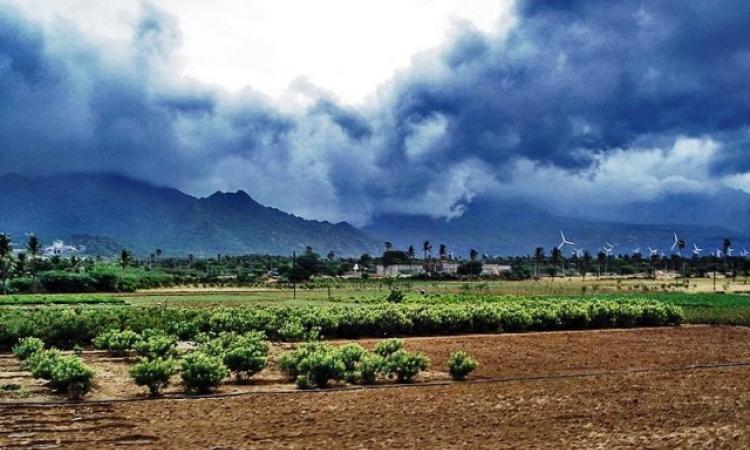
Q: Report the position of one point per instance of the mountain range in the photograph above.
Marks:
(108, 212)
(144, 217)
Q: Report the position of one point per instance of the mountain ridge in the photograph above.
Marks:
(145, 216)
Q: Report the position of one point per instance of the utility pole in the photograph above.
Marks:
(294, 276)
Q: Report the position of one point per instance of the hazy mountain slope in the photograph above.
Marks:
(145, 217)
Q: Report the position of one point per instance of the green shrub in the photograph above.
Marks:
(370, 365)
(395, 296)
(156, 345)
(292, 331)
(388, 347)
(320, 367)
(40, 364)
(27, 346)
(350, 355)
(153, 373)
(461, 364)
(201, 373)
(117, 342)
(289, 362)
(245, 361)
(72, 376)
(405, 365)
(66, 282)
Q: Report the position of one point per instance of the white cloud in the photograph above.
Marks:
(347, 47)
(620, 176)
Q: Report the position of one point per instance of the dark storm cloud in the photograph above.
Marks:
(581, 77)
(570, 82)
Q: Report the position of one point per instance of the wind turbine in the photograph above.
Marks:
(678, 244)
(608, 248)
(564, 241)
(653, 251)
(696, 251)
(637, 251)
(744, 253)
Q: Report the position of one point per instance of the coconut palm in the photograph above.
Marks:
(125, 259)
(538, 260)
(33, 246)
(426, 249)
(443, 251)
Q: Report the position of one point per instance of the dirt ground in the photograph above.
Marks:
(615, 388)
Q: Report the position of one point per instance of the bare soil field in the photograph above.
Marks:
(614, 388)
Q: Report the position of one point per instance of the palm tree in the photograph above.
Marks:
(125, 259)
(442, 251)
(601, 258)
(556, 259)
(388, 246)
(427, 250)
(21, 264)
(538, 260)
(5, 252)
(587, 258)
(33, 246)
(473, 254)
(411, 252)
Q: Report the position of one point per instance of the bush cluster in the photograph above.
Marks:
(27, 346)
(243, 354)
(153, 373)
(117, 342)
(67, 326)
(460, 364)
(201, 373)
(67, 374)
(317, 364)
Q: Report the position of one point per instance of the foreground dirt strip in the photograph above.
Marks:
(707, 407)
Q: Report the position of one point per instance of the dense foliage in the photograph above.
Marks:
(67, 374)
(117, 342)
(27, 346)
(67, 326)
(153, 373)
(460, 364)
(201, 373)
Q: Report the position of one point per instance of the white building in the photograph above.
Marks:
(397, 270)
(494, 270)
(440, 267)
(58, 248)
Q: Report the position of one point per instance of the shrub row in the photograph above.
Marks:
(69, 326)
(317, 364)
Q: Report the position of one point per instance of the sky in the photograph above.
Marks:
(346, 110)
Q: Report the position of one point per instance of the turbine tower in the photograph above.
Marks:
(678, 244)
